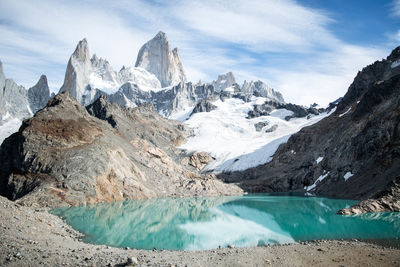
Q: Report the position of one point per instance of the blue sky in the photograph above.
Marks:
(310, 50)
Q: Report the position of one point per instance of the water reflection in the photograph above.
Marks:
(205, 223)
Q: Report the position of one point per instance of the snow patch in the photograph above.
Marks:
(320, 179)
(281, 113)
(341, 115)
(230, 89)
(347, 175)
(319, 159)
(8, 128)
(395, 64)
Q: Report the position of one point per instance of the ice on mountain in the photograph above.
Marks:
(347, 175)
(319, 180)
(341, 115)
(395, 64)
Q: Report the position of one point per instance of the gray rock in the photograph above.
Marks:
(77, 74)
(387, 200)
(260, 125)
(204, 105)
(39, 95)
(224, 81)
(156, 57)
(259, 88)
(272, 128)
(13, 99)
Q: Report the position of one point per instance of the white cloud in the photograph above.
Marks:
(213, 36)
(396, 8)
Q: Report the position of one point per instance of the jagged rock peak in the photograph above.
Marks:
(156, 57)
(259, 88)
(39, 94)
(78, 71)
(161, 36)
(82, 50)
(224, 81)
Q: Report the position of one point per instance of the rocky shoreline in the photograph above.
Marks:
(33, 237)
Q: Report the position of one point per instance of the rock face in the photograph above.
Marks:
(387, 200)
(298, 111)
(203, 106)
(13, 99)
(157, 58)
(69, 155)
(39, 95)
(259, 88)
(77, 74)
(224, 81)
(353, 153)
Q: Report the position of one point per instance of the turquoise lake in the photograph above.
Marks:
(206, 223)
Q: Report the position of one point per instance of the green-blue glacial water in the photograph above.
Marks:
(206, 223)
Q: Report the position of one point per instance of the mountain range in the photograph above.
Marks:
(245, 135)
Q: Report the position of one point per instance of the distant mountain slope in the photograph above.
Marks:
(17, 103)
(353, 153)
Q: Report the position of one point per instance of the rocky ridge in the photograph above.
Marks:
(353, 153)
(158, 78)
(69, 155)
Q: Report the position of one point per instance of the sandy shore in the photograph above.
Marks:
(31, 237)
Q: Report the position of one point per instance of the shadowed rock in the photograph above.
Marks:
(359, 144)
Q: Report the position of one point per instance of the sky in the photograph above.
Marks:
(309, 50)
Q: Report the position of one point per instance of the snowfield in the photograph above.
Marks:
(232, 139)
(9, 128)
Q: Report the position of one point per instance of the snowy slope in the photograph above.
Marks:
(9, 128)
(232, 139)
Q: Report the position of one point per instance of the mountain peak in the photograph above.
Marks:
(161, 35)
(156, 57)
(42, 80)
(39, 94)
(82, 51)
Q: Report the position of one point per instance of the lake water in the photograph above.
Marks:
(206, 223)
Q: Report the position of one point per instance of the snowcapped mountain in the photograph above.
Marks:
(259, 88)
(87, 78)
(17, 103)
(13, 99)
(156, 57)
(224, 81)
(247, 123)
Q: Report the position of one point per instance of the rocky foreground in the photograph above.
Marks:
(71, 155)
(30, 237)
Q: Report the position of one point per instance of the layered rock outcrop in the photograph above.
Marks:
(386, 200)
(69, 155)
